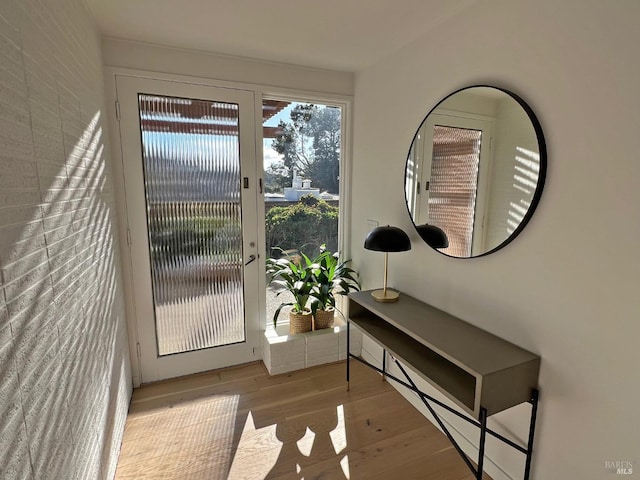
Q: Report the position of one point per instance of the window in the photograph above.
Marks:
(302, 165)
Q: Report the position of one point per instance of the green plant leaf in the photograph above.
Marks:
(275, 315)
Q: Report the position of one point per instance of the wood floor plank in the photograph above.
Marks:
(240, 423)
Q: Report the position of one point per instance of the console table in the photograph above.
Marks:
(479, 372)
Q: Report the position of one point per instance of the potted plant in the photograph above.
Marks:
(293, 274)
(332, 278)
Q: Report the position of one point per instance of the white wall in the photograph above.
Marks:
(515, 149)
(567, 287)
(159, 59)
(65, 380)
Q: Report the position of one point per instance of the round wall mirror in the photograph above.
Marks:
(475, 171)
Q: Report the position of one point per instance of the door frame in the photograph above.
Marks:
(154, 366)
(128, 309)
(464, 121)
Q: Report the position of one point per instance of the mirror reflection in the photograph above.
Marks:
(475, 170)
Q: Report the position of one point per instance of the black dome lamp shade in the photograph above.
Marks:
(387, 239)
(434, 236)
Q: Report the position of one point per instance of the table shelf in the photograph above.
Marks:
(481, 373)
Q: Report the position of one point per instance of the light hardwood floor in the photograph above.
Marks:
(240, 423)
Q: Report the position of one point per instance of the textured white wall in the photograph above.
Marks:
(64, 366)
(567, 287)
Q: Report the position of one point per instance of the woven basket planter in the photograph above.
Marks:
(300, 322)
(324, 318)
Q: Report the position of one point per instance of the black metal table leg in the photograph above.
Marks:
(384, 363)
(483, 437)
(425, 400)
(348, 351)
(532, 428)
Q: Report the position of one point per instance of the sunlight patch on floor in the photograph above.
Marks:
(305, 444)
(339, 434)
(255, 442)
(344, 463)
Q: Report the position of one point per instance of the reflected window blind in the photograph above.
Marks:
(192, 185)
(453, 185)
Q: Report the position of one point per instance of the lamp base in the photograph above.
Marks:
(389, 296)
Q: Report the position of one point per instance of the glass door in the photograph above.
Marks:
(190, 176)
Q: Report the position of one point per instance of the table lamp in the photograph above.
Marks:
(387, 239)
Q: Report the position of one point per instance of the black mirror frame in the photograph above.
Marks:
(542, 147)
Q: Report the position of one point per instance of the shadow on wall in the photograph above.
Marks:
(62, 332)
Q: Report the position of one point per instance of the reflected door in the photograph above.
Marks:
(455, 186)
(190, 182)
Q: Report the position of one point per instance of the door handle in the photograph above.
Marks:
(251, 259)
